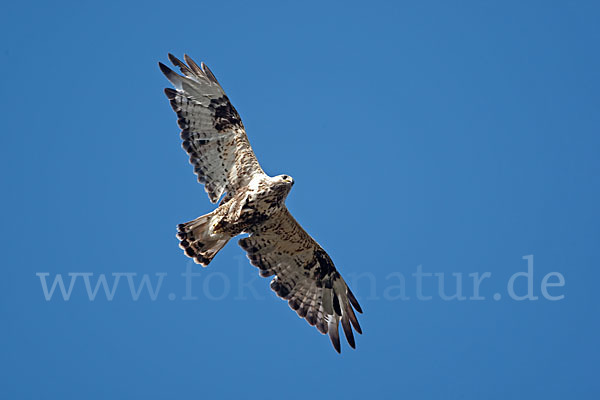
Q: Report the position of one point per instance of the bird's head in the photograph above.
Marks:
(283, 183)
(285, 180)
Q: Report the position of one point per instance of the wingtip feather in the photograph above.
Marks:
(170, 93)
(348, 331)
(182, 67)
(209, 73)
(165, 70)
(193, 65)
(353, 319)
(173, 59)
(353, 301)
(334, 335)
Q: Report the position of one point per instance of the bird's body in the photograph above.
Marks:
(253, 203)
(245, 211)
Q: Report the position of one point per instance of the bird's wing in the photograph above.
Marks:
(304, 275)
(212, 130)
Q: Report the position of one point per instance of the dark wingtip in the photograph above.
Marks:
(357, 328)
(192, 64)
(182, 67)
(173, 59)
(165, 70)
(171, 93)
(334, 336)
(352, 318)
(348, 332)
(336, 345)
(353, 301)
(209, 73)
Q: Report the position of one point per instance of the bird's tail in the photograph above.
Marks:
(199, 241)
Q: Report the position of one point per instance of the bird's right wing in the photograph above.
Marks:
(212, 130)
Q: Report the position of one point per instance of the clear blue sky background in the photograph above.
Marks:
(458, 137)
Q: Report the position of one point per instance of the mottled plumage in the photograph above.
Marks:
(254, 203)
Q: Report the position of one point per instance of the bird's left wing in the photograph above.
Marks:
(212, 130)
(304, 275)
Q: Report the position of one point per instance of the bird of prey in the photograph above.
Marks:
(253, 203)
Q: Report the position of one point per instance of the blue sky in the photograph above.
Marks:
(455, 137)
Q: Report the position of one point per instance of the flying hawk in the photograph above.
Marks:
(253, 203)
